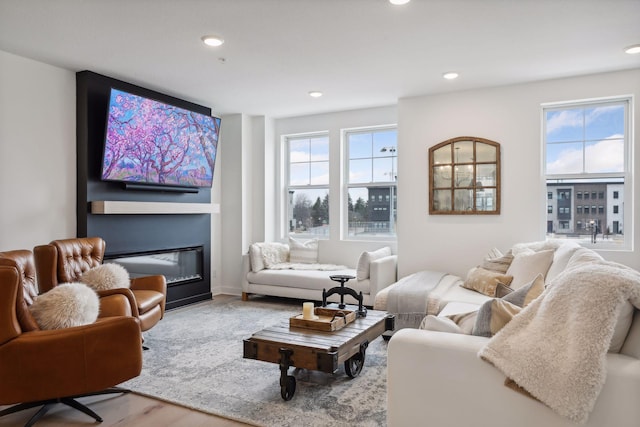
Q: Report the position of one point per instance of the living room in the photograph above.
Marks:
(38, 172)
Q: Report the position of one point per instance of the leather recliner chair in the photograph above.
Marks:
(44, 367)
(65, 260)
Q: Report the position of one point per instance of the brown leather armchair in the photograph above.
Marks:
(65, 260)
(41, 368)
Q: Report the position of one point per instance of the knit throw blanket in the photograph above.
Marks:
(556, 347)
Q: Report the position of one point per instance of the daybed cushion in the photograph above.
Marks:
(362, 270)
(306, 279)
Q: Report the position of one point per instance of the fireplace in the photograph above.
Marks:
(179, 266)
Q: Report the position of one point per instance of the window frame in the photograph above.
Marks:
(627, 101)
(347, 185)
(286, 171)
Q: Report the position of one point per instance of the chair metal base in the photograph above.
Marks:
(69, 401)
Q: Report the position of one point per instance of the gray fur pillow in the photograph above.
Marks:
(106, 276)
(65, 306)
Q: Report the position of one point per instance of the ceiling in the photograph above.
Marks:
(360, 53)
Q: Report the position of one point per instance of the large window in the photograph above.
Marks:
(372, 168)
(308, 185)
(587, 154)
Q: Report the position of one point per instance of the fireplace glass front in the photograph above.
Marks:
(177, 265)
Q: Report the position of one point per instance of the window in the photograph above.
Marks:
(372, 169)
(549, 195)
(579, 209)
(615, 209)
(308, 185)
(586, 144)
(549, 209)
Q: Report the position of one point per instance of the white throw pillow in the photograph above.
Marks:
(255, 257)
(106, 276)
(364, 262)
(527, 265)
(65, 306)
(303, 252)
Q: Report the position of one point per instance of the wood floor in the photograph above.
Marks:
(123, 410)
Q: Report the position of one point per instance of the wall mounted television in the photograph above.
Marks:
(156, 145)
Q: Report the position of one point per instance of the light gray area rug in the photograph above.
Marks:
(195, 359)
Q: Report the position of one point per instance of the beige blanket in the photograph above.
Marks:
(556, 347)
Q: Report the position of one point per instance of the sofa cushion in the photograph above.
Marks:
(527, 265)
(485, 281)
(499, 264)
(561, 258)
(440, 324)
(303, 252)
(362, 270)
(494, 314)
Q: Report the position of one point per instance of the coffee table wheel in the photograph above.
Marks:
(353, 366)
(288, 389)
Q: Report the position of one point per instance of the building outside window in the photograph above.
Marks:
(587, 151)
(372, 168)
(308, 185)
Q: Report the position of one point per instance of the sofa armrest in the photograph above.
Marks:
(246, 267)
(382, 273)
(438, 377)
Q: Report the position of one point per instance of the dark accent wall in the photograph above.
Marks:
(134, 233)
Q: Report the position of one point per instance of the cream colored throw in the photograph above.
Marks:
(556, 347)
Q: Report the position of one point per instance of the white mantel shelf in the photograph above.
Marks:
(112, 207)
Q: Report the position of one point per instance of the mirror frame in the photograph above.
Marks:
(473, 186)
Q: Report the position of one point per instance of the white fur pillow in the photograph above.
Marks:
(106, 276)
(65, 306)
(274, 253)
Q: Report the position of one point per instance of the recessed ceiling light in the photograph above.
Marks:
(315, 94)
(212, 40)
(450, 75)
(399, 2)
(632, 49)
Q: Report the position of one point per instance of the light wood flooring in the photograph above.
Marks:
(122, 410)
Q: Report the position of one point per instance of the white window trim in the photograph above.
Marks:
(628, 198)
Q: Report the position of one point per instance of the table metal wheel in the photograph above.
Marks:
(353, 366)
(288, 389)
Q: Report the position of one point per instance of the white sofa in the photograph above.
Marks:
(437, 378)
(308, 283)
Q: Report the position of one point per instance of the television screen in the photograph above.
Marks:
(150, 142)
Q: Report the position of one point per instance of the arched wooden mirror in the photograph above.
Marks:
(464, 177)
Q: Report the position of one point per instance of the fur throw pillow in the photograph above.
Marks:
(65, 306)
(106, 276)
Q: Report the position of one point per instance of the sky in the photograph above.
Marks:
(585, 140)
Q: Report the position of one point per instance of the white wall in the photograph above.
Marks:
(509, 115)
(37, 153)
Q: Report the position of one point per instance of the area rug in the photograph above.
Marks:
(195, 359)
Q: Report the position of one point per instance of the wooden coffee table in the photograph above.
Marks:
(317, 350)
